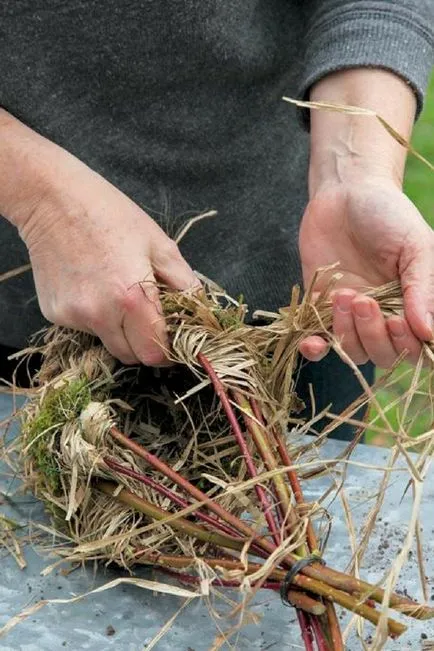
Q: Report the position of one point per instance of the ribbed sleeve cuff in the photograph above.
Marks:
(356, 38)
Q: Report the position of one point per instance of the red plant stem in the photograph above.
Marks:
(321, 641)
(306, 631)
(290, 519)
(171, 495)
(296, 597)
(334, 628)
(236, 429)
(333, 624)
(267, 546)
(188, 578)
(291, 474)
(296, 489)
(300, 581)
(311, 545)
(330, 577)
(154, 512)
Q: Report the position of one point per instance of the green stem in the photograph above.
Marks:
(155, 513)
(260, 438)
(303, 582)
(319, 572)
(333, 628)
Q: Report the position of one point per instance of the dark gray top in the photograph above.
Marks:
(179, 105)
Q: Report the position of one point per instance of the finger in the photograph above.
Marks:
(118, 346)
(171, 268)
(419, 318)
(144, 325)
(104, 324)
(314, 348)
(372, 331)
(417, 287)
(403, 338)
(344, 327)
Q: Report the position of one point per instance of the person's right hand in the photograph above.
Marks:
(95, 257)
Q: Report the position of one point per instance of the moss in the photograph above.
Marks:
(170, 304)
(229, 318)
(60, 405)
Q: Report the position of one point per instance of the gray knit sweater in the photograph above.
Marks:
(178, 103)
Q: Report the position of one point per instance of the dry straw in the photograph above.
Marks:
(156, 466)
(143, 466)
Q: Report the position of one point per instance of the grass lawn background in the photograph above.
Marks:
(419, 186)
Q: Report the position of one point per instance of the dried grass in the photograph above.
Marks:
(82, 392)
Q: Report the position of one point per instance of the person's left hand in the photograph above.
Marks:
(377, 235)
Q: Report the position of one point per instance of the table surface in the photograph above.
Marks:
(127, 617)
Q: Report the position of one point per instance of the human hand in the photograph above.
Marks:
(96, 256)
(377, 235)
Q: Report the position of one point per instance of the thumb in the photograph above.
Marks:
(417, 284)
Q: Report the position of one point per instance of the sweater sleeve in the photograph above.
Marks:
(396, 35)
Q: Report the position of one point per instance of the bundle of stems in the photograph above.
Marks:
(250, 371)
(315, 588)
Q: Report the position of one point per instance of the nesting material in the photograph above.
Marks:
(172, 412)
(157, 466)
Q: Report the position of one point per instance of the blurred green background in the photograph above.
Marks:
(419, 186)
(419, 180)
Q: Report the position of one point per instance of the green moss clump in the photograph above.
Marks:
(41, 430)
(229, 318)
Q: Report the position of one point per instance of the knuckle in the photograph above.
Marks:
(83, 313)
(153, 360)
(128, 360)
(354, 351)
(168, 251)
(385, 362)
(127, 301)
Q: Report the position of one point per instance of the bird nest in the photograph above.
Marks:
(191, 466)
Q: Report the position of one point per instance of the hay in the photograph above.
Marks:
(172, 412)
(97, 441)
(10, 542)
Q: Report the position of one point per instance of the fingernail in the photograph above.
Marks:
(343, 302)
(429, 321)
(165, 364)
(317, 357)
(155, 359)
(396, 327)
(363, 308)
(318, 352)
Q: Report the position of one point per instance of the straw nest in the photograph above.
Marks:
(198, 468)
(82, 393)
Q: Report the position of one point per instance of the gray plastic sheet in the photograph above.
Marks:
(127, 618)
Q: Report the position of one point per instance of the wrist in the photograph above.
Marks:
(29, 169)
(346, 148)
(352, 172)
